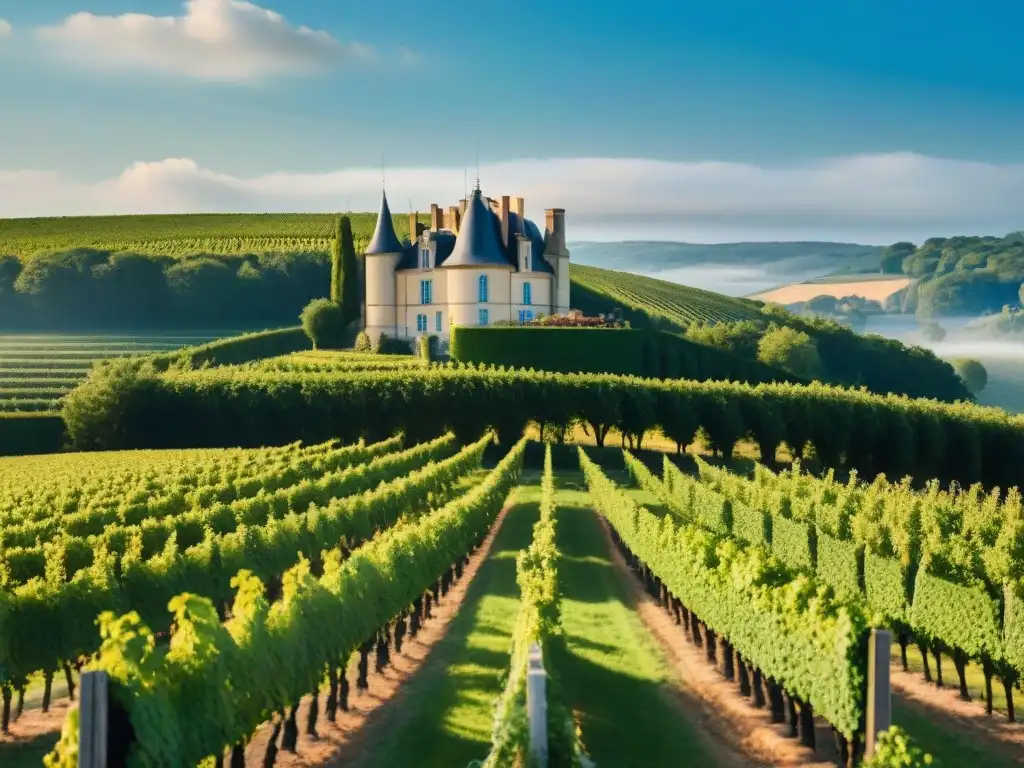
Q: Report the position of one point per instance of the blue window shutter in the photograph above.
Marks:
(483, 317)
(527, 294)
(437, 321)
(483, 288)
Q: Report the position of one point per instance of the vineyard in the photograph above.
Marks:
(36, 371)
(323, 561)
(602, 290)
(185, 234)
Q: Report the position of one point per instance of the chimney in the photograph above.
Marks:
(554, 231)
(519, 209)
(504, 219)
(453, 218)
(435, 217)
(412, 227)
(462, 209)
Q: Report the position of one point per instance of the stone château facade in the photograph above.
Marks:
(478, 263)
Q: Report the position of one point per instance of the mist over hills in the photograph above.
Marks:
(736, 269)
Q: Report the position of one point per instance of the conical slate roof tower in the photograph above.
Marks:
(384, 239)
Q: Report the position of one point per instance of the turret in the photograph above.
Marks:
(381, 258)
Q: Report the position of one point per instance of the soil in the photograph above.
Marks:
(944, 706)
(737, 733)
(356, 733)
(34, 723)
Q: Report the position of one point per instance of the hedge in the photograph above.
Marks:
(241, 407)
(624, 351)
(31, 433)
(235, 350)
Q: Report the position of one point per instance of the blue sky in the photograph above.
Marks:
(771, 88)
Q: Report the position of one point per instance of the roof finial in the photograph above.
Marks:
(478, 166)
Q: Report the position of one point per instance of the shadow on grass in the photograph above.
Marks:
(950, 746)
(27, 753)
(446, 715)
(613, 675)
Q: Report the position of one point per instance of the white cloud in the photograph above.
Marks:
(5, 29)
(231, 40)
(865, 198)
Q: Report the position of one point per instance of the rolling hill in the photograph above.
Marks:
(596, 290)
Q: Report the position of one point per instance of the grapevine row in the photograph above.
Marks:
(944, 568)
(539, 621)
(788, 628)
(47, 624)
(210, 689)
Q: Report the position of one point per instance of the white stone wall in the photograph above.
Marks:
(381, 298)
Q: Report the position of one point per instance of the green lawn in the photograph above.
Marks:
(447, 716)
(616, 678)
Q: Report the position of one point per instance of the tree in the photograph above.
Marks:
(791, 350)
(973, 373)
(336, 265)
(349, 287)
(893, 257)
(323, 322)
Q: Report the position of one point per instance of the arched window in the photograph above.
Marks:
(527, 294)
(482, 284)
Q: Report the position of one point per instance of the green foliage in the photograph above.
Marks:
(337, 270)
(350, 290)
(973, 373)
(317, 623)
(791, 350)
(363, 342)
(893, 257)
(963, 617)
(324, 323)
(648, 302)
(778, 621)
(539, 622)
(385, 345)
(838, 564)
(254, 405)
(605, 350)
(116, 392)
(27, 433)
(791, 543)
(895, 749)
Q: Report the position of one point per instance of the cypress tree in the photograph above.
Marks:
(349, 280)
(337, 268)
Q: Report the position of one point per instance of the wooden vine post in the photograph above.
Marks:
(92, 720)
(537, 705)
(879, 703)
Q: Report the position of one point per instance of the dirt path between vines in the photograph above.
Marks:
(715, 702)
(944, 707)
(355, 733)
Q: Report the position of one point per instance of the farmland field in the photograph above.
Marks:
(600, 290)
(37, 370)
(184, 234)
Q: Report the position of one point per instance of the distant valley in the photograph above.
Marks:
(736, 269)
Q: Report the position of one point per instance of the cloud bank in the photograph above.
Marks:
(865, 198)
(228, 40)
(5, 29)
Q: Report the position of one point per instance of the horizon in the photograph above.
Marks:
(761, 126)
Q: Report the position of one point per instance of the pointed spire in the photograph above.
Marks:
(479, 240)
(384, 239)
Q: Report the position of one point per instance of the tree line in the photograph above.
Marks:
(125, 405)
